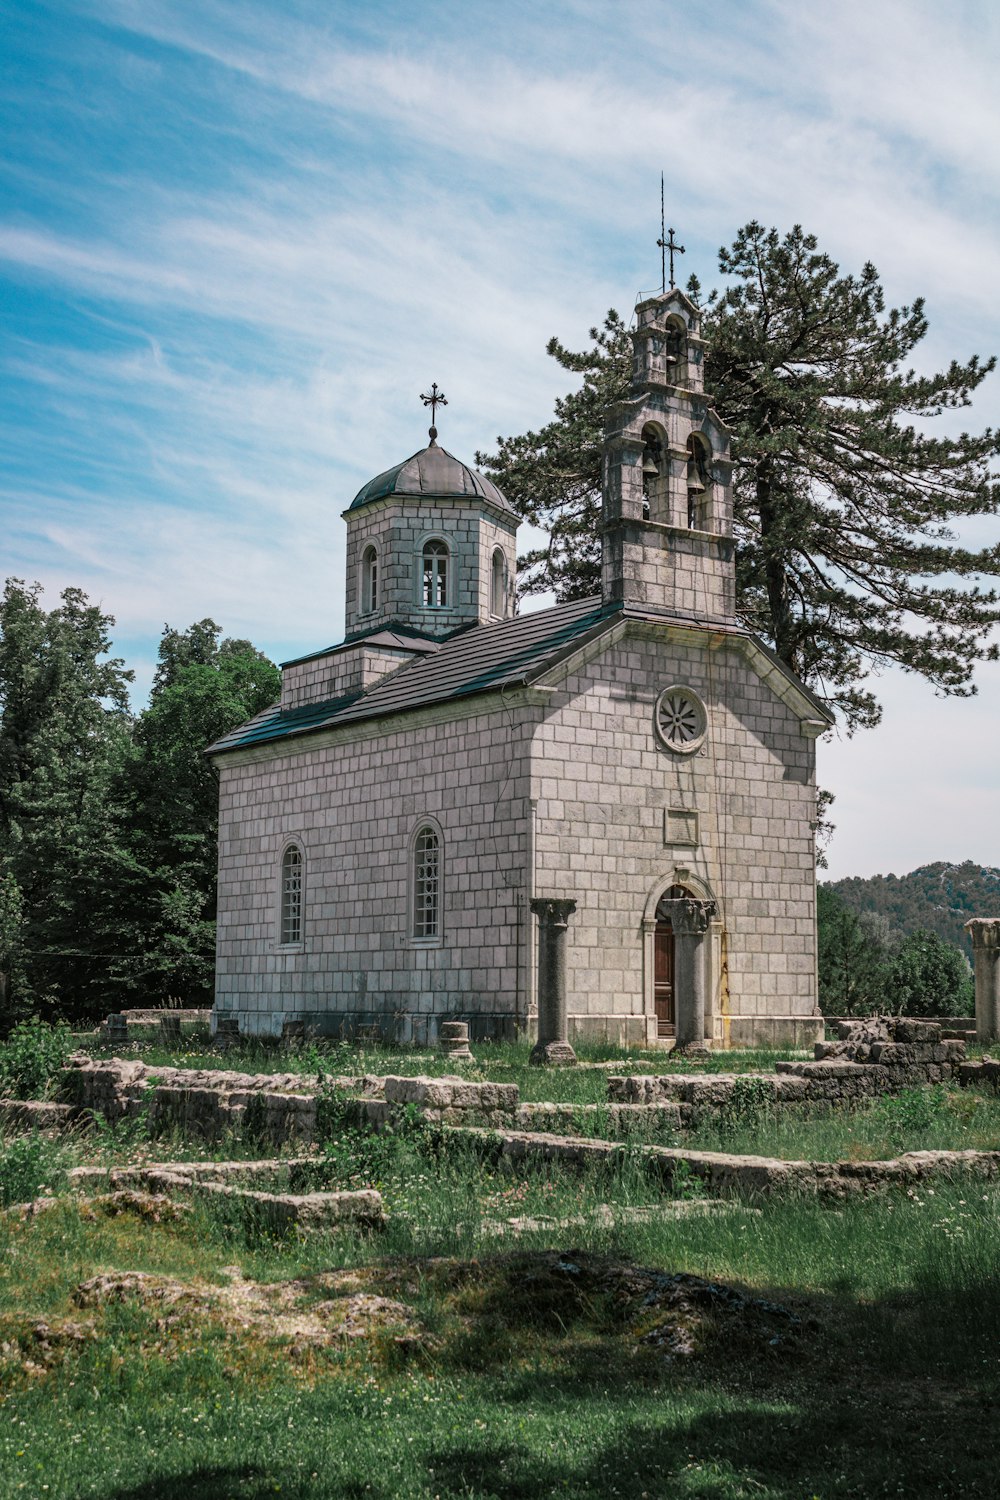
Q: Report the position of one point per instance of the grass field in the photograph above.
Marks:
(501, 1340)
(862, 1359)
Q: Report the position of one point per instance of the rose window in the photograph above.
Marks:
(680, 719)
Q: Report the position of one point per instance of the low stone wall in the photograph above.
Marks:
(35, 1114)
(624, 1117)
(201, 1102)
(719, 1172)
(362, 1208)
(276, 1107)
(983, 1073)
(452, 1100)
(871, 1057)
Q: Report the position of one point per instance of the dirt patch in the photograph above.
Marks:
(141, 1286)
(308, 1311)
(484, 1310)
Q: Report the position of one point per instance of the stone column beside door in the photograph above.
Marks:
(552, 1047)
(985, 935)
(689, 919)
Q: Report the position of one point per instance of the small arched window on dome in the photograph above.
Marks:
(369, 580)
(434, 579)
(498, 583)
(699, 477)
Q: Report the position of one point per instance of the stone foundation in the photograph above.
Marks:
(280, 1211)
(869, 1058)
(274, 1107)
(719, 1172)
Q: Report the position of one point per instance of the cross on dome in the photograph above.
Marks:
(434, 400)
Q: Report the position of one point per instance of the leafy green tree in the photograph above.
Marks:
(166, 865)
(843, 498)
(64, 733)
(940, 897)
(928, 977)
(108, 825)
(11, 936)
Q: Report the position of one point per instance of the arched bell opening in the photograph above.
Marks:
(675, 351)
(654, 474)
(699, 480)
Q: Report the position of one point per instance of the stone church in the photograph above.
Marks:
(635, 768)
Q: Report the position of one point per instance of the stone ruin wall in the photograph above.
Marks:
(870, 1058)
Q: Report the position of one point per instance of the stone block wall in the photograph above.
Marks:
(353, 800)
(398, 528)
(603, 785)
(338, 673)
(276, 1108)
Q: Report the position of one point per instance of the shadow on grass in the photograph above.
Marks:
(242, 1482)
(742, 1450)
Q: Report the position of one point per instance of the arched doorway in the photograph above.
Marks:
(664, 949)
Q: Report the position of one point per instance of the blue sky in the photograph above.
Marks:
(237, 240)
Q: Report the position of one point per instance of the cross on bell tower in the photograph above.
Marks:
(666, 243)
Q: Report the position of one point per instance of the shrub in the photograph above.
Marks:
(747, 1107)
(28, 1163)
(912, 1110)
(32, 1057)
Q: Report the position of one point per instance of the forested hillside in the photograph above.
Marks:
(938, 897)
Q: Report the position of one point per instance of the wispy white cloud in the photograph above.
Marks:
(331, 206)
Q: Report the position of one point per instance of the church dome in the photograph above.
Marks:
(431, 472)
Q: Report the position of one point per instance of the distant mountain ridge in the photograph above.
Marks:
(940, 897)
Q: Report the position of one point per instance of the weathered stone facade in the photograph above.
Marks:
(620, 753)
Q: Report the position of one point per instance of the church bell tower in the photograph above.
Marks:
(667, 535)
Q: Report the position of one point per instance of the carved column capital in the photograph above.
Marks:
(688, 917)
(552, 913)
(984, 932)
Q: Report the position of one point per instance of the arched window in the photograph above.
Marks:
(291, 895)
(369, 580)
(498, 584)
(434, 589)
(698, 479)
(427, 884)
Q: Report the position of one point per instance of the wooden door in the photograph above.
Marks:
(663, 979)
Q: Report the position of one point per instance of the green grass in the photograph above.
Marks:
(520, 1383)
(919, 1119)
(521, 1387)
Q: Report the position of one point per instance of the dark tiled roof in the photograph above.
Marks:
(393, 638)
(472, 661)
(432, 471)
(476, 659)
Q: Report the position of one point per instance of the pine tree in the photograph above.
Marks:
(844, 496)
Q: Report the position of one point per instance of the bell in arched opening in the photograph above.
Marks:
(653, 485)
(698, 479)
